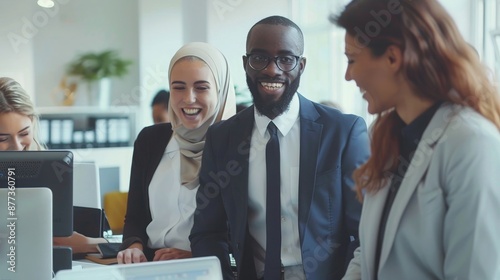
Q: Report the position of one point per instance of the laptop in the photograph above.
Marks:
(26, 234)
(203, 268)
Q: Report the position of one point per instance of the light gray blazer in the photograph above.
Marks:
(444, 223)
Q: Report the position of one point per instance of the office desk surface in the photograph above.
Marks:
(84, 263)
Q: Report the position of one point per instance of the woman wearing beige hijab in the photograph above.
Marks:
(167, 157)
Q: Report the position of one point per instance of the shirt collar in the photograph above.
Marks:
(411, 134)
(172, 146)
(283, 122)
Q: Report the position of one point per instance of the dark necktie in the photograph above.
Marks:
(272, 269)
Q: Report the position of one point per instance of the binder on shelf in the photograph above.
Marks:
(124, 132)
(45, 131)
(113, 132)
(78, 142)
(66, 133)
(101, 132)
(89, 138)
(55, 134)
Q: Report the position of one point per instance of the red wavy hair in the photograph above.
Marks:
(438, 62)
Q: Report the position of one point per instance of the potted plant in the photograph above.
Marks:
(97, 68)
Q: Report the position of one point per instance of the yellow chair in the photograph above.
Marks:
(115, 207)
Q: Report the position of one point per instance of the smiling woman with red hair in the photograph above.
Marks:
(431, 185)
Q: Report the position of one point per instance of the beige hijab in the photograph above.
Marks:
(192, 141)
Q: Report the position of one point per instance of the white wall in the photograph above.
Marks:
(160, 35)
(229, 22)
(37, 44)
(80, 27)
(16, 42)
(461, 11)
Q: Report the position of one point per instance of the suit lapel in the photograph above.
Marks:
(157, 149)
(310, 137)
(373, 206)
(240, 144)
(415, 174)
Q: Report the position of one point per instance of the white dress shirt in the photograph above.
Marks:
(172, 205)
(289, 139)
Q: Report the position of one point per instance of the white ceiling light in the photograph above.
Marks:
(45, 3)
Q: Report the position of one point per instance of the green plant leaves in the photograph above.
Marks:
(95, 66)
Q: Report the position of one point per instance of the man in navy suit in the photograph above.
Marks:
(319, 148)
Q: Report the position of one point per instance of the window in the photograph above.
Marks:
(323, 78)
(324, 47)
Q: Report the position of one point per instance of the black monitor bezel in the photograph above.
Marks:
(52, 166)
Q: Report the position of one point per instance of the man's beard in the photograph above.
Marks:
(274, 108)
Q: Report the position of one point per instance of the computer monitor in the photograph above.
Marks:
(51, 169)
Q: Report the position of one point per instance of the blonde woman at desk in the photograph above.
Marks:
(19, 132)
(18, 119)
(167, 157)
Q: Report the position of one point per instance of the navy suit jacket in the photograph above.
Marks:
(332, 146)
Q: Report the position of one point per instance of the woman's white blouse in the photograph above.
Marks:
(172, 206)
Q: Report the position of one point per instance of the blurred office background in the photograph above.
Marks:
(37, 44)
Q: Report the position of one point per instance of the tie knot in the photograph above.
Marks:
(273, 130)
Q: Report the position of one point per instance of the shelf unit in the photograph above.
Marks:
(88, 127)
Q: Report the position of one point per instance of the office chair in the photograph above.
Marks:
(115, 206)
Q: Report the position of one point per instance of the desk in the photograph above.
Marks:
(203, 268)
(83, 263)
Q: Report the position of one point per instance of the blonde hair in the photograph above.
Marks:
(14, 99)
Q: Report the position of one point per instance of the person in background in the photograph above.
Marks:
(431, 186)
(19, 132)
(167, 157)
(159, 107)
(295, 217)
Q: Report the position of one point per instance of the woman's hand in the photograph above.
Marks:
(132, 254)
(79, 243)
(170, 254)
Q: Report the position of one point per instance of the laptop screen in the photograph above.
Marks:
(204, 268)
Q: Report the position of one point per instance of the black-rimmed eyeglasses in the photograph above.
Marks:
(285, 63)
